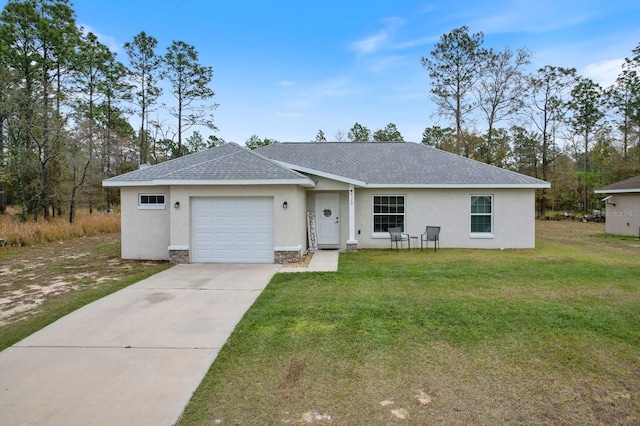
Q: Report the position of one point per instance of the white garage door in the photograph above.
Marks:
(234, 230)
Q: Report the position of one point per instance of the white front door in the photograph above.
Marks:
(328, 218)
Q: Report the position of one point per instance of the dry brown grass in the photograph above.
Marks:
(20, 234)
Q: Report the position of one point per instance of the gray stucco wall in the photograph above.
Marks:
(624, 217)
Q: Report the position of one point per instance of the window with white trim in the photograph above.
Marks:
(482, 214)
(151, 202)
(388, 212)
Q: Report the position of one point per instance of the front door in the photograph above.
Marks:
(328, 219)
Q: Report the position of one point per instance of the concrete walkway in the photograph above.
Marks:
(134, 357)
(321, 261)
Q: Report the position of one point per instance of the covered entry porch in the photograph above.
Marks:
(334, 208)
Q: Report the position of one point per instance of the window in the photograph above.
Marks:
(388, 212)
(481, 214)
(151, 202)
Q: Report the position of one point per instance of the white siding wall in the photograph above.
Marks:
(145, 233)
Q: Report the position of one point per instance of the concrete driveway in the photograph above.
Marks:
(134, 357)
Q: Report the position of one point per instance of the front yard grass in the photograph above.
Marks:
(543, 336)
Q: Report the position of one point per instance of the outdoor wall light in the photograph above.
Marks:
(176, 205)
(285, 205)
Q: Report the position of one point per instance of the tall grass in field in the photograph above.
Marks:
(18, 234)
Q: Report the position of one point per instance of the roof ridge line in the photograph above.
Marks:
(277, 164)
(208, 161)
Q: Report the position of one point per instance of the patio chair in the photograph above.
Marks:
(432, 233)
(397, 236)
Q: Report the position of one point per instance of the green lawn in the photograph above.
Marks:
(544, 336)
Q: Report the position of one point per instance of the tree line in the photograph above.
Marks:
(551, 124)
(66, 101)
(558, 126)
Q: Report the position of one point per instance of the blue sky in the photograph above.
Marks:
(285, 69)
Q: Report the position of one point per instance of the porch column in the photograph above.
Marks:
(352, 243)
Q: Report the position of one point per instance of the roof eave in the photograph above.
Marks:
(116, 183)
(616, 191)
(219, 182)
(462, 186)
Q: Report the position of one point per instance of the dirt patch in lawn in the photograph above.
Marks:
(30, 276)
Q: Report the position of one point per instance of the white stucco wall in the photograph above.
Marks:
(148, 234)
(624, 217)
(289, 223)
(145, 233)
(513, 216)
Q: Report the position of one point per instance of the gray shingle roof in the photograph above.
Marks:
(225, 163)
(395, 164)
(372, 164)
(627, 185)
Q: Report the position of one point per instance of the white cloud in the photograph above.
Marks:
(386, 63)
(316, 93)
(332, 88)
(286, 83)
(414, 43)
(604, 72)
(530, 15)
(377, 41)
(371, 44)
(108, 41)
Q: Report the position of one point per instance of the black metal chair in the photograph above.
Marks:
(432, 233)
(397, 236)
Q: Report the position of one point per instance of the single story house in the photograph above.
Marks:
(229, 204)
(622, 207)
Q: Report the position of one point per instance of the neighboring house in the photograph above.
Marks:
(622, 207)
(229, 204)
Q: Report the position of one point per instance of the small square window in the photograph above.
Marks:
(151, 202)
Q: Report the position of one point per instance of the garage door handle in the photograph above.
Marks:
(336, 219)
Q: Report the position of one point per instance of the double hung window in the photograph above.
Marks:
(388, 212)
(482, 214)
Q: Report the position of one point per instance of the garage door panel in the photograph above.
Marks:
(262, 238)
(204, 220)
(262, 221)
(224, 237)
(223, 222)
(244, 238)
(204, 253)
(233, 230)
